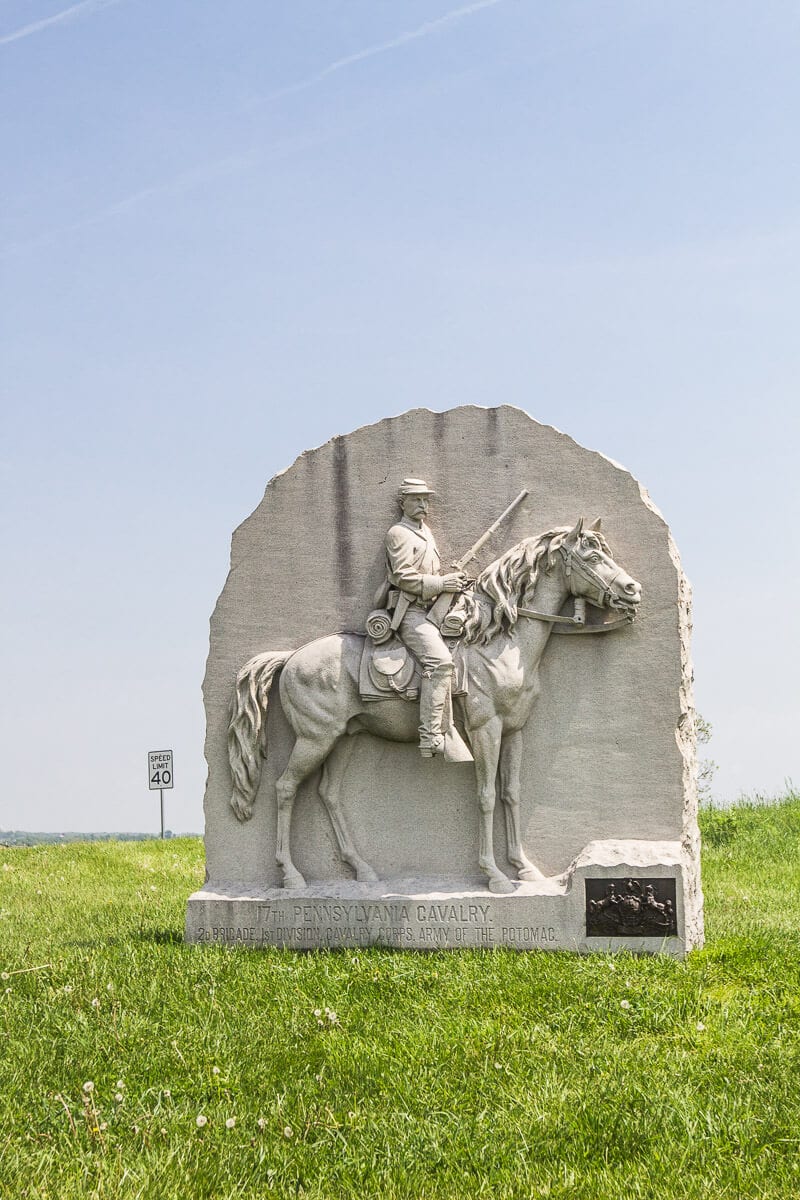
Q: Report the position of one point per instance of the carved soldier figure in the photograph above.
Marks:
(413, 583)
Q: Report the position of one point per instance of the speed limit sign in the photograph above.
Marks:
(159, 769)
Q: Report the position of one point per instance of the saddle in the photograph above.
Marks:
(388, 668)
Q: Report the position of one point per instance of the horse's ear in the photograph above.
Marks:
(573, 536)
(595, 526)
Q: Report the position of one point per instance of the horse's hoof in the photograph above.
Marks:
(501, 886)
(293, 883)
(531, 874)
(366, 874)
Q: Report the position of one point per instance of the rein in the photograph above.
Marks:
(578, 624)
(571, 625)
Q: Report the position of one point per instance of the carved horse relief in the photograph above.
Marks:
(510, 613)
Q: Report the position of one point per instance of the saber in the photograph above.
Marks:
(438, 611)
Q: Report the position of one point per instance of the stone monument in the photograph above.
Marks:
(403, 748)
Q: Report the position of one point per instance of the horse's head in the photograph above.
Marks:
(591, 572)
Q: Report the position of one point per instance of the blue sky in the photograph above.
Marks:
(233, 230)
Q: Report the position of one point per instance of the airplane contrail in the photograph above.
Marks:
(401, 39)
(58, 18)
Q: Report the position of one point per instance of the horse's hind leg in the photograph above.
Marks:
(330, 789)
(306, 756)
(510, 763)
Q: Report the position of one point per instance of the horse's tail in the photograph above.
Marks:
(248, 725)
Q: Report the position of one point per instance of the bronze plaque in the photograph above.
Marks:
(630, 908)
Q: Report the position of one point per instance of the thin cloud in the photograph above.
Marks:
(66, 14)
(176, 183)
(402, 39)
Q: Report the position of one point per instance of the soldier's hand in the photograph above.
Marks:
(453, 582)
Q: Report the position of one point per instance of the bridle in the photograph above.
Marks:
(603, 597)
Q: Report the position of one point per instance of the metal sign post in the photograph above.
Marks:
(160, 775)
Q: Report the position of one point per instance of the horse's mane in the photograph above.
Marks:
(492, 607)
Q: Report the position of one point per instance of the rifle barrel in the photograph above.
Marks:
(462, 562)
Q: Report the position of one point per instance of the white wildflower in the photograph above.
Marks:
(88, 1087)
(624, 1003)
(201, 1120)
(230, 1123)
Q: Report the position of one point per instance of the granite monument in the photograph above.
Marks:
(412, 754)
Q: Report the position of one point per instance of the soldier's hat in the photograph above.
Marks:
(414, 487)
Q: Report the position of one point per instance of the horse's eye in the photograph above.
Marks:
(594, 558)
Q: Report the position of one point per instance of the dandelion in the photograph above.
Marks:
(261, 1123)
(103, 1126)
(8, 991)
(88, 1087)
(317, 1011)
(167, 1093)
(700, 1026)
(625, 1004)
(120, 1084)
(95, 1002)
(119, 1097)
(109, 987)
(201, 1120)
(215, 1070)
(230, 1123)
(4, 975)
(67, 988)
(288, 1131)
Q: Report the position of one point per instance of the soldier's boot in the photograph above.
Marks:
(434, 692)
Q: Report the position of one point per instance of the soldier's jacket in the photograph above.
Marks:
(412, 569)
(412, 561)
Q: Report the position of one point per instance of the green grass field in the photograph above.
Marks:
(134, 1066)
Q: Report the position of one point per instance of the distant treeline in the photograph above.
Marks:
(16, 837)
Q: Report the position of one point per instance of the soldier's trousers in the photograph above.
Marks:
(425, 642)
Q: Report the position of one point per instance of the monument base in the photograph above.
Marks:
(616, 895)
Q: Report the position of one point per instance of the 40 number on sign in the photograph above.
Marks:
(159, 769)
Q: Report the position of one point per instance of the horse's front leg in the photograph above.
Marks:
(510, 763)
(330, 790)
(486, 749)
